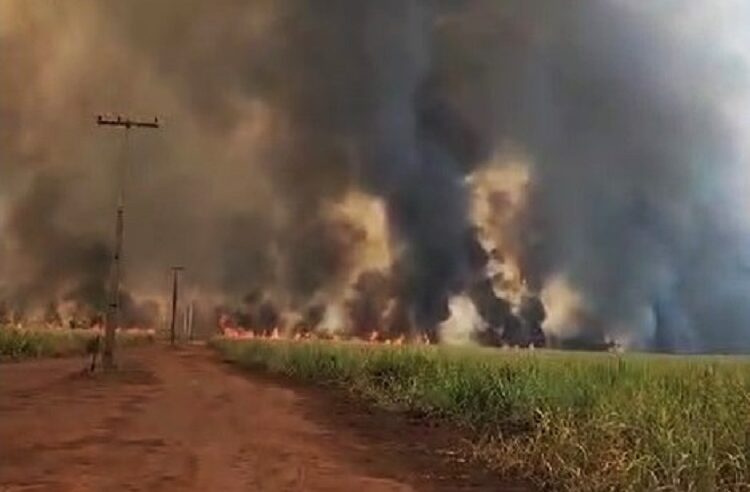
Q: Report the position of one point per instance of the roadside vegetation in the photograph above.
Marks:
(563, 421)
(19, 343)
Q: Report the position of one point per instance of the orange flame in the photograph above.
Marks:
(229, 330)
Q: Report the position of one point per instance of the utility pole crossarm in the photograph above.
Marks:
(126, 122)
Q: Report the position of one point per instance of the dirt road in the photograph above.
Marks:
(182, 421)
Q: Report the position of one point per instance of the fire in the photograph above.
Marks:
(375, 337)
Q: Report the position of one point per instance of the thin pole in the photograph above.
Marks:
(185, 314)
(113, 308)
(192, 320)
(113, 316)
(191, 312)
(175, 291)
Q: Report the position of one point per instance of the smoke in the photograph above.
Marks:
(53, 263)
(364, 163)
(635, 165)
(464, 323)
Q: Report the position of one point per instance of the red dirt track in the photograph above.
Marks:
(180, 420)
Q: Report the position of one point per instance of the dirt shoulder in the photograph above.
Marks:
(181, 420)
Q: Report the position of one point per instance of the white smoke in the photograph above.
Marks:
(335, 320)
(463, 324)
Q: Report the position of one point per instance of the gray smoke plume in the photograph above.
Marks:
(636, 173)
(275, 110)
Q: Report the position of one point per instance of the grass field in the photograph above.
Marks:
(564, 421)
(17, 344)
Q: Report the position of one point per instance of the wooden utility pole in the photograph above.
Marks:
(113, 308)
(175, 292)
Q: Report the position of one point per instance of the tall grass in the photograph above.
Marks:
(17, 344)
(583, 422)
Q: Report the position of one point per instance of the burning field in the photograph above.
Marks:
(374, 192)
(487, 172)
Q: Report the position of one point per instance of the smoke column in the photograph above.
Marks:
(638, 171)
(628, 118)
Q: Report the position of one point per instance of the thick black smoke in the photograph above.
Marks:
(275, 110)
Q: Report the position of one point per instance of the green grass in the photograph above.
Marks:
(564, 421)
(18, 344)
